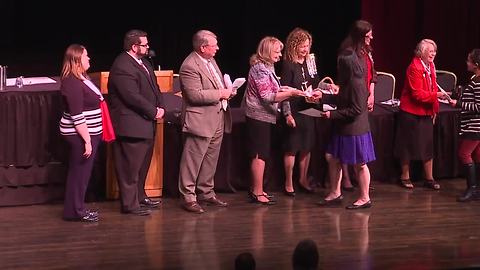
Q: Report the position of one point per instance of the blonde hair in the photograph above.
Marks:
(72, 62)
(264, 51)
(422, 46)
(295, 39)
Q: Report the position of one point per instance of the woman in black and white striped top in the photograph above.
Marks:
(81, 126)
(469, 148)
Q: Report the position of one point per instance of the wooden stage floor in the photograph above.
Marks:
(419, 229)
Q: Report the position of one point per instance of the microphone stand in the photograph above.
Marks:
(150, 55)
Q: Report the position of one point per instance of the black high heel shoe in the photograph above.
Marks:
(268, 196)
(289, 193)
(255, 200)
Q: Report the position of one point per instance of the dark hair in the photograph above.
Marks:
(474, 56)
(356, 37)
(132, 37)
(305, 255)
(245, 261)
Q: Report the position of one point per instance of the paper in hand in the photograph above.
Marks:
(444, 93)
(235, 85)
(228, 83)
(227, 80)
(238, 83)
(309, 91)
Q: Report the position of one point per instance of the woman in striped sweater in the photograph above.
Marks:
(81, 126)
(469, 148)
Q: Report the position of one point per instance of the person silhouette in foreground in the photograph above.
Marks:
(305, 256)
(245, 261)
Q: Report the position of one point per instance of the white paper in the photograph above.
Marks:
(238, 83)
(328, 107)
(444, 101)
(227, 80)
(309, 91)
(445, 93)
(31, 80)
(391, 102)
(235, 85)
(11, 81)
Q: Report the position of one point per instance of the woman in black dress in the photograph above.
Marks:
(299, 70)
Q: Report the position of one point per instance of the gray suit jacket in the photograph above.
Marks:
(201, 110)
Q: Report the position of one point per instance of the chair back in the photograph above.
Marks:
(385, 87)
(447, 80)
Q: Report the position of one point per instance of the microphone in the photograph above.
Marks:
(150, 55)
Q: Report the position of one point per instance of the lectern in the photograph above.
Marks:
(154, 181)
(164, 80)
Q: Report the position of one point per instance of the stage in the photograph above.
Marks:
(419, 229)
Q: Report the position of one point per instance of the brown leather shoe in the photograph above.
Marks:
(214, 201)
(193, 207)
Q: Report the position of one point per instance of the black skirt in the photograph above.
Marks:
(259, 138)
(414, 137)
(300, 138)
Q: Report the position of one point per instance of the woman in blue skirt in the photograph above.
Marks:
(351, 141)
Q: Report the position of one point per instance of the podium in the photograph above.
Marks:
(164, 80)
(154, 181)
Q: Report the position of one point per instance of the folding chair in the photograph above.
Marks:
(385, 87)
(446, 80)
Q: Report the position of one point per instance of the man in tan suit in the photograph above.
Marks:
(205, 117)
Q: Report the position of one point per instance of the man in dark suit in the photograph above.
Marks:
(205, 117)
(135, 103)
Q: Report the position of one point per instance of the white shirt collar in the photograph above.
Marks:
(139, 61)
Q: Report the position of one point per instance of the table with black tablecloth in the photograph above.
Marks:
(31, 149)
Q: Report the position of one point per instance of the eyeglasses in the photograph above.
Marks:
(142, 45)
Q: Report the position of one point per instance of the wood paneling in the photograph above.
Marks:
(154, 181)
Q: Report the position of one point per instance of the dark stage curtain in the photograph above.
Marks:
(399, 25)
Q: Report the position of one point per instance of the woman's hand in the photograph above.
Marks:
(325, 114)
(370, 103)
(453, 102)
(291, 121)
(88, 149)
(334, 88)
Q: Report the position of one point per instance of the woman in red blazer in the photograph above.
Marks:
(418, 109)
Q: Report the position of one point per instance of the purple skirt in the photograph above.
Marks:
(352, 149)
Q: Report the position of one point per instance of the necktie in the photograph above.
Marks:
(216, 78)
(141, 63)
(218, 83)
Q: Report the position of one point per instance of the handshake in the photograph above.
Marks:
(311, 95)
(315, 95)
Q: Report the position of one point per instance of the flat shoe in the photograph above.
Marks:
(336, 201)
(432, 184)
(406, 183)
(359, 206)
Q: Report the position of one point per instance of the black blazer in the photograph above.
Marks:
(133, 95)
(351, 117)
